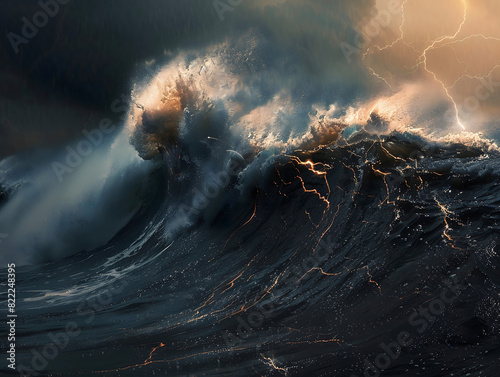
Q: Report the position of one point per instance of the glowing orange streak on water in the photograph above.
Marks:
(312, 168)
(209, 301)
(246, 222)
(166, 361)
(271, 363)
(390, 154)
(334, 340)
(386, 185)
(371, 277)
(208, 314)
(321, 270)
(328, 228)
(314, 191)
(146, 362)
(446, 212)
(355, 178)
(231, 283)
(245, 308)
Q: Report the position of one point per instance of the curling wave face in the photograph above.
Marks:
(261, 259)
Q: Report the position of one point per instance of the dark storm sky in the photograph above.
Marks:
(66, 77)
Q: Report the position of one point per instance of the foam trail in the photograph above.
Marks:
(47, 219)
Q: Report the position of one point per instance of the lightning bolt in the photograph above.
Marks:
(478, 77)
(424, 62)
(444, 40)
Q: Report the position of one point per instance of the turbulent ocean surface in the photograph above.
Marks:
(289, 264)
(226, 228)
